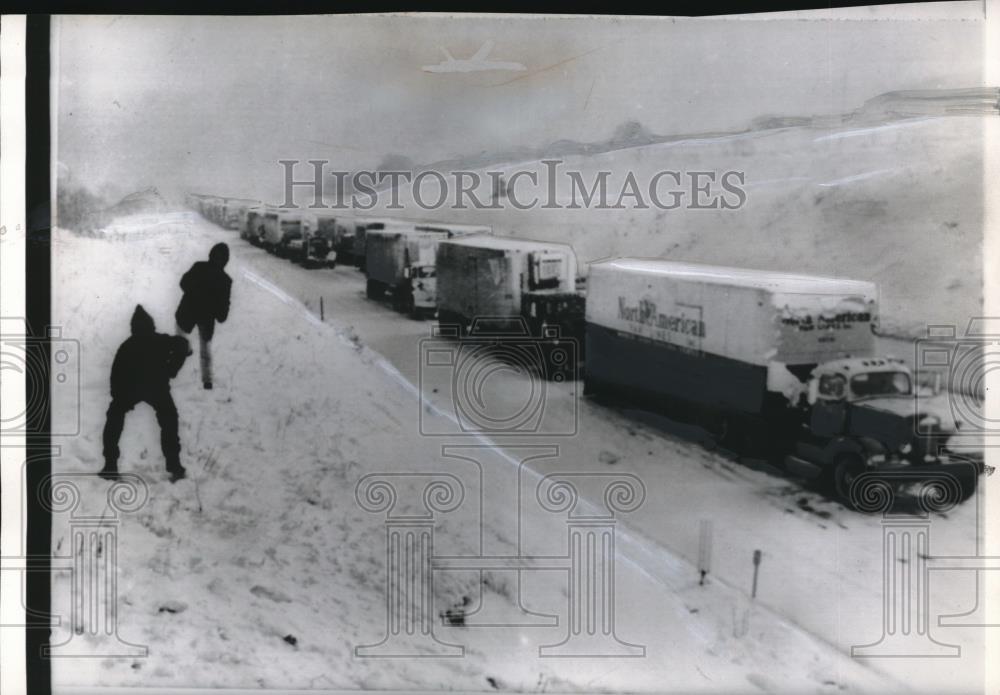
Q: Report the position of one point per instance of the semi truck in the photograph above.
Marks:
(503, 284)
(253, 224)
(361, 228)
(329, 238)
(279, 227)
(234, 212)
(402, 261)
(768, 362)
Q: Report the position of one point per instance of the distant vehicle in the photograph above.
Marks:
(477, 63)
(402, 262)
(253, 224)
(361, 227)
(234, 212)
(280, 227)
(773, 363)
(330, 237)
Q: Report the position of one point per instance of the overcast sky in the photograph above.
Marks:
(212, 102)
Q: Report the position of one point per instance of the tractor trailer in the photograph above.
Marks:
(503, 284)
(768, 361)
(402, 262)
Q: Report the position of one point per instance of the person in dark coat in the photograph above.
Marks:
(206, 300)
(141, 373)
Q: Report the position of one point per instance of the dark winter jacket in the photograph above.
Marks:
(206, 294)
(146, 362)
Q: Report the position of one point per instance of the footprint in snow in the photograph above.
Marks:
(172, 607)
(272, 594)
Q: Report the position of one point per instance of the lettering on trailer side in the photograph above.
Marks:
(646, 313)
(841, 321)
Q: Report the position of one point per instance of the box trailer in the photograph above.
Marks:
(493, 284)
(330, 237)
(402, 261)
(719, 335)
(234, 212)
(768, 362)
(282, 226)
(361, 228)
(253, 224)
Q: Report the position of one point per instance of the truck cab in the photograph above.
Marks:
(322, 241)
(862, 414)
(422, 277)
(312, 245)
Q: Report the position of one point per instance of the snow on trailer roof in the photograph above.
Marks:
(329, 212)
(444, 226)
(508, 243)
(404, 231)
(384, 220)
(770, 280)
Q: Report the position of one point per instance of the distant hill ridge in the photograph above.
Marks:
(146, 200)
(898, 105)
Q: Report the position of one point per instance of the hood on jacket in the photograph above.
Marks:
(219, 255)
(142, 322)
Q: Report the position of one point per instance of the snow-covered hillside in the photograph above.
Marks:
(898, 203)
(262, 570)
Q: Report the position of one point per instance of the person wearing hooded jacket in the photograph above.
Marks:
(206, 289)
(141, 373)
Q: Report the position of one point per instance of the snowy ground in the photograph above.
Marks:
(265, 544)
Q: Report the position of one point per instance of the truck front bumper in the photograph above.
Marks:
(949, 479)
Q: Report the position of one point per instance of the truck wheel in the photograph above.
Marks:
(374, 289)
(402, 301)
(719, 427)
(845, 471)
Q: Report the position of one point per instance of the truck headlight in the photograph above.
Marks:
(928, 421)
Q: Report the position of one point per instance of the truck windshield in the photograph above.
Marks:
(880, 384)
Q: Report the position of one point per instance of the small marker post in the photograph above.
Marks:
(756, 569)
(704, 550)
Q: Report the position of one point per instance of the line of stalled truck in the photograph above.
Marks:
(773, 365)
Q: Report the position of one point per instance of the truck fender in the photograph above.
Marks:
(864, 447)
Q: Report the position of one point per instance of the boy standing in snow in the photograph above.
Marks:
(206, 300)
(141, 373)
